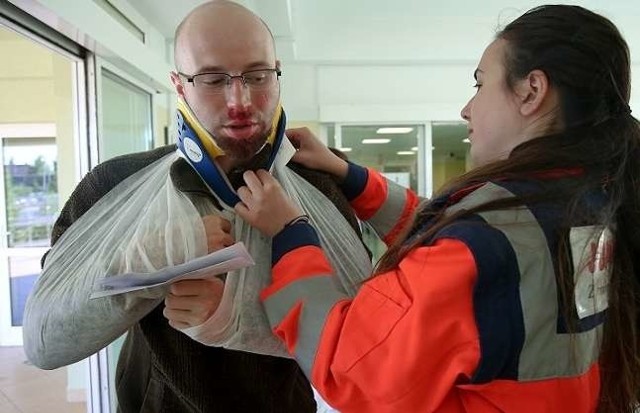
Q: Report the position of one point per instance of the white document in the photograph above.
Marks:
(218, 262)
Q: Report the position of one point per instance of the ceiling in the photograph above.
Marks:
(374, 31)
(165, 15)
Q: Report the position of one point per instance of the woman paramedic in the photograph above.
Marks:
(517, 288)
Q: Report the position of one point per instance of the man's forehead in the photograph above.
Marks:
(214, 56)
(205, 44)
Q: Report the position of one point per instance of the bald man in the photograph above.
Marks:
(227, 82)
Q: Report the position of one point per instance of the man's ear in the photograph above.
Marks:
(177, 83)
(532, 92)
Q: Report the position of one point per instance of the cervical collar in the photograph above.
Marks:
(199, 149)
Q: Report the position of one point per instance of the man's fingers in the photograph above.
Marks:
(217, 222)
(193, 302)
(227, 240)
(190, 288)
(184, 288)
(182, 319)
(180, 316)
(179, 325)
(225, 225)
(183, 303)
(218, 241)
(194, 314)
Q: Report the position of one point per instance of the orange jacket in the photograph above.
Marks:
(468, 322)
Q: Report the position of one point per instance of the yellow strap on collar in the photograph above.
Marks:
(274, 124)
(207, 139)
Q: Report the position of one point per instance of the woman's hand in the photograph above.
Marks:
(314, 154)
(265, 205)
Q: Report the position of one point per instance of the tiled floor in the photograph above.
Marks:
(27, 389)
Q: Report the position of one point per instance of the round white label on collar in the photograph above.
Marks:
(192, 150)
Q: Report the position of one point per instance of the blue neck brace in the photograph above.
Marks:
(194, 152)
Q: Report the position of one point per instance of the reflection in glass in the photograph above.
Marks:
(394, 153)
(126, 117)
(23, 272)
(31, 187)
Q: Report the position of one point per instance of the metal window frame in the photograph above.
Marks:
(85, 148)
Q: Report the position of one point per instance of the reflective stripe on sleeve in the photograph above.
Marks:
(394, 213)
(310, 299)
(372, 197)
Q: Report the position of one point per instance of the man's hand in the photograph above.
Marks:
(218, 232)
(191, 302)
(314, 154)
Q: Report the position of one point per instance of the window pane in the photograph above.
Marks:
(126, 117)
(449, 152)
(390, 149)
(31, 189)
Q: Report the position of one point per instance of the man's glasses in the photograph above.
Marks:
(216, 83)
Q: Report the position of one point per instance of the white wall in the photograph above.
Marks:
(91, 26)
(299, 92)
(373, 94)
(408, 60)
(418, 31)
(394, 93)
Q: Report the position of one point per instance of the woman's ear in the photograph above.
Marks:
(533, 92)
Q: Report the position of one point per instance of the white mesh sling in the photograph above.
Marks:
(145, 224)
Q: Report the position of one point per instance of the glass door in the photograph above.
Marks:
(30, 191)
(42, 111)
(39, 118)
(393, 150)
(450, 152)
(125, 125)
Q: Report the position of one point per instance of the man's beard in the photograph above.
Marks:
(242, 149)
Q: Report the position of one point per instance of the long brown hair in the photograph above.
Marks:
(586, 59)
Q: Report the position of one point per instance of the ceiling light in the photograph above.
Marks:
(415, 149)
(344, 149)
(466, 140)
(384, 131)
(376, 140)
(405, 153)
